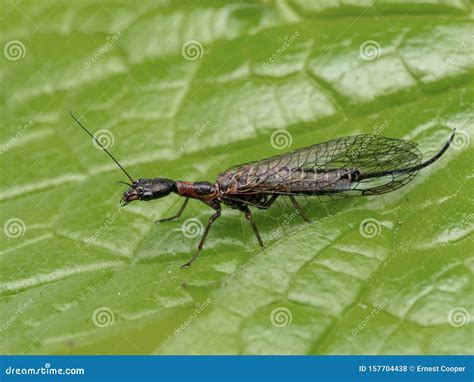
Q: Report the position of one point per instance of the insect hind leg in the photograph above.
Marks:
(270, 201)
(299, 209)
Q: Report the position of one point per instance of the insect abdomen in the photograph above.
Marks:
(286, 180)
(314, 182)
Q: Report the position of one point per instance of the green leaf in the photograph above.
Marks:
(185, 91)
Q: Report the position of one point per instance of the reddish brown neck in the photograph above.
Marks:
(197, 190)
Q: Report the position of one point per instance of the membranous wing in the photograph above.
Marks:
(355, 165)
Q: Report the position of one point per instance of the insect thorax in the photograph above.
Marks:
(197, 190)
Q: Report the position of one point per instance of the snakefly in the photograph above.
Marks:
(350, 166)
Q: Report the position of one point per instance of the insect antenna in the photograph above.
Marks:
(101, 146)
(127, 184)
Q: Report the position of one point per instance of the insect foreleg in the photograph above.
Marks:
(300, 210)
(212, 219)
(177, 215)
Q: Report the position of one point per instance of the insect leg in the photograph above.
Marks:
(271, 200)
(300, 210)
(178, 214)
(249, 217)
(212, 219)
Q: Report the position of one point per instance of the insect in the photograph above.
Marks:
(349, 166)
